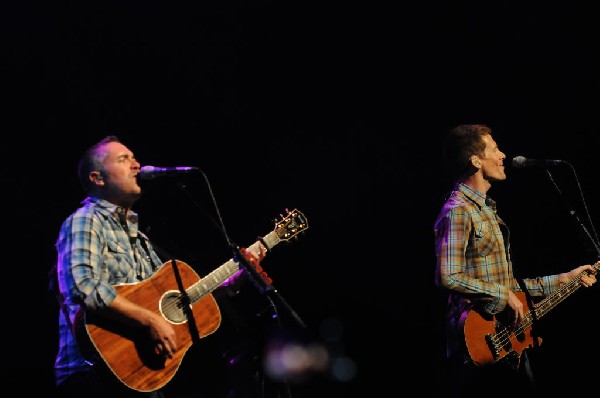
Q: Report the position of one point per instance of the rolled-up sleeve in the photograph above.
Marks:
(81, 255)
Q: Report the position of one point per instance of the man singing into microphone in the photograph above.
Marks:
(474, 267)
(99, 246)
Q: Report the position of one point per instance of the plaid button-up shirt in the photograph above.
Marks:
(473, 259)
(97, 248)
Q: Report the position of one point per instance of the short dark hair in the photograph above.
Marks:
(462, 142)
(92, 160)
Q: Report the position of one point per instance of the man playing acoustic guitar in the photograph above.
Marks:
(488, 321)
(101, 250)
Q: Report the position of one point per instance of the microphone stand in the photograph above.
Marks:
(265, 288)
(257, 280)
(574, 214)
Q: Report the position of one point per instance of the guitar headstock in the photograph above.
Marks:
(290, 225)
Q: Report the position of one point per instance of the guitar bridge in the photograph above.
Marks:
(493, 345)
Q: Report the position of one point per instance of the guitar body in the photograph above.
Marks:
(128, 353)
(489, 340)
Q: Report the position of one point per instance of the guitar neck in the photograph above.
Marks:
(544, 306)
(214, 279)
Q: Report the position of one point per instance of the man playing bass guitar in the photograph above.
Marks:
(488, 322)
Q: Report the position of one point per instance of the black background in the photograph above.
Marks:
(334, 108)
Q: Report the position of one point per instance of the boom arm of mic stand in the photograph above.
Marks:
(262, 285)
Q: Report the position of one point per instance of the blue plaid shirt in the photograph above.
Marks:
(94, 253)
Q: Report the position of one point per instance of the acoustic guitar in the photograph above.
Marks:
(180, 296)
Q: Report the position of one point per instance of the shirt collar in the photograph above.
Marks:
(472, 194)
(109, 209)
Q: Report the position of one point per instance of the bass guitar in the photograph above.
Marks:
(489, 340)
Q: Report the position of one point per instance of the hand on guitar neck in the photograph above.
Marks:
(233, 284)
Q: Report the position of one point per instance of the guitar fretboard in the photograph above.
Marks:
(214, 279)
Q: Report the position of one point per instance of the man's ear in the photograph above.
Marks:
(475, 161)
(96, 178)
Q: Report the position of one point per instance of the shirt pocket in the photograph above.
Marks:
(117, 262)
(484, 238)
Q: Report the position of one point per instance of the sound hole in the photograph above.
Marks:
(172, 307)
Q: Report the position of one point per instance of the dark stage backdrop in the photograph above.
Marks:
(334, 108)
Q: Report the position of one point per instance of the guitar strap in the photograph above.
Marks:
(163, 254)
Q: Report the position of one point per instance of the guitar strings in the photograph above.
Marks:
(217, 277)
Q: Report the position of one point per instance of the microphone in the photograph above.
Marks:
(150, 172)
(522, 161)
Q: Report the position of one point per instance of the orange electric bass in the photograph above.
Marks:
(489, 340)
